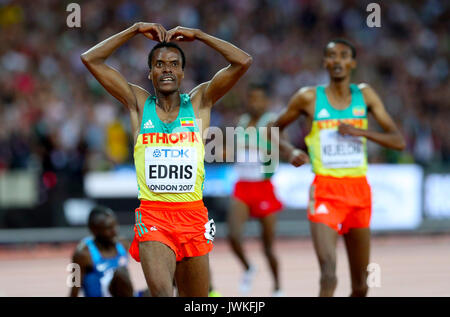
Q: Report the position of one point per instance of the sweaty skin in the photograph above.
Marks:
(166, 73)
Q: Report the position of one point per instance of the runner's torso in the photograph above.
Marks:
(96, 282)
(332, 154)
(169, 157)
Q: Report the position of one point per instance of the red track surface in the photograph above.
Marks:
(410, 266)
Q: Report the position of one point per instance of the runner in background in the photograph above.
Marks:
(254, 195)
(103, 259)
(340, 199)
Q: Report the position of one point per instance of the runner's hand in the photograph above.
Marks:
(153, 31)
(347, 129)
(298, 158)
(181, 34)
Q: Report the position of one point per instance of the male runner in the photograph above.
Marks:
(254, 194)
(340, 198)
(102, 259)
(173, 234)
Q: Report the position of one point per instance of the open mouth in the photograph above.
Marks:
(337, 69)
(167, 79)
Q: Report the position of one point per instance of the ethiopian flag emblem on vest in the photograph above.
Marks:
(359, 111)
(187, 122)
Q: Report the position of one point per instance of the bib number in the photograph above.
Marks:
(171, 169)
(210, 230)
(339, 151)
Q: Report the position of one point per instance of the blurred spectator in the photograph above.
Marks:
(55, 117)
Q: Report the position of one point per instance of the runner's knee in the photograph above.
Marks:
(327, 265)
(160, 282)
(328, 273)
(328, 280)
(160, 288)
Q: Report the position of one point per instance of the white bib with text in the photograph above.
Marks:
(339, 151)
(171, 169)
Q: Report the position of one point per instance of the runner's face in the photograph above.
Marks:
(166, 72)
(257, 102)
(338, 61)
(105, 229)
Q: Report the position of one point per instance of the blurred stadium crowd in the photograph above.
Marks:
(55, 117)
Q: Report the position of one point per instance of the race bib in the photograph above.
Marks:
(171, 169)
(339, 151)
(210, 230)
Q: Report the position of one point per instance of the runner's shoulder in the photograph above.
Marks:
(369, 94)
(365, 88)
(196, 94)
(141, 95)
(82, 255)
(305, 96)
(198, 90)
(198, 100)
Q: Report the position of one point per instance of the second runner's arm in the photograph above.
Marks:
(295, 108)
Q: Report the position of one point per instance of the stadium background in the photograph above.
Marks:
(60, 128)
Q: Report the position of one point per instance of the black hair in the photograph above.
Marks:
(342, 41)
(166, 44)
(98, 211)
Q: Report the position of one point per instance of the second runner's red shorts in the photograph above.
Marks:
(179, 225)
(259, 196)
(341, 203)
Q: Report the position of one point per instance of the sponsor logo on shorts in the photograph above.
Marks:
(264, 205)
(322, 209)
(153, 228)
